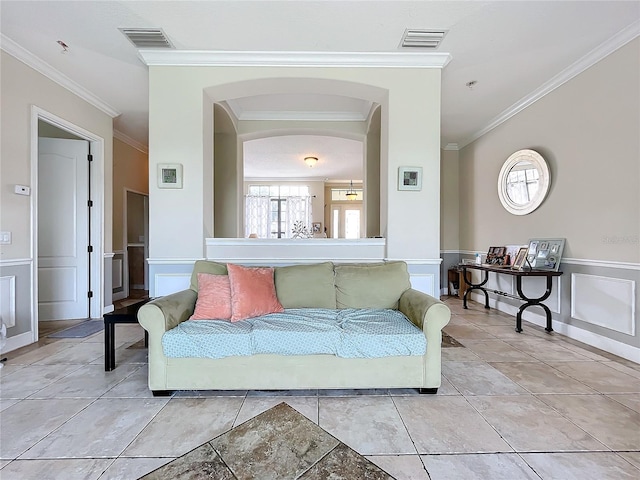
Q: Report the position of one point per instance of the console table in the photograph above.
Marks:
(519, 274)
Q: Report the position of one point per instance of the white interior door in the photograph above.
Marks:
(63, 229)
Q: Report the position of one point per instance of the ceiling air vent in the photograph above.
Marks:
(422, 38)
(147, 37)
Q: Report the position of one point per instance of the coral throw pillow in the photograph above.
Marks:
(253, 292)
(214, 298)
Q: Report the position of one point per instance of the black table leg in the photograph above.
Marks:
(475, 286)
(533, 302)
(109, 346)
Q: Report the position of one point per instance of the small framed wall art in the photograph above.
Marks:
(410, 178)
(169, 175)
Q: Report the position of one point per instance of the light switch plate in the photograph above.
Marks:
(5, 238)
(22, 190)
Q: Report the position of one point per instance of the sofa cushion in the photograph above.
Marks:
(214, 298)
(371, 285)
(206, 266)
(253, 292)
(306, 286)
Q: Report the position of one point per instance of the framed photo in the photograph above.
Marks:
(545, 253)
(169, 175)
(317, 227)
(521, 256)
(410, 178)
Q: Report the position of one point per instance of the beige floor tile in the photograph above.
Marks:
(447, 388)
(529, 425)
(616, 426)
(457, 354)
(497, 351)
(32, 378)
(494, 466)
(252, 406)
(184, 424)
(631, 457)
(87, 381)
(4, 404)
(591, 353)
(78, 353)
(480, 378)
(631, 400)
(401, 467)
(579, 466)
(103, 429)
(546, 351)
(3, 463)
(460, 332)
(624, 369)
(135, 385)
(369, 425)
(129, 468)
(28, 422)
(503, 332)
(9, 369)
(69, 469)
(135, 353)
(447, 425)
(600, 377)
(33, 356)
(481, 319)
(541, 378)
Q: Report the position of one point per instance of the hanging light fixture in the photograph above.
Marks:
(351, 194)
(311, 161)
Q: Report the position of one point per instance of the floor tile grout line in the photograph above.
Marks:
(410, 437)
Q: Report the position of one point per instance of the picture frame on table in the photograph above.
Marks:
(545, 253)
(317, 227)
(169, 175)
(521, 257)
(410, 178)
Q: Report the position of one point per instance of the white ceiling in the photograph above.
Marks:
(515, 50)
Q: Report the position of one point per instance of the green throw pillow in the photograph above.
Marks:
(371, 285)
(306, 286)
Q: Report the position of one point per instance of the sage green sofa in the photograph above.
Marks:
(321, 285)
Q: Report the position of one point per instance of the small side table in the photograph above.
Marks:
(128, 314)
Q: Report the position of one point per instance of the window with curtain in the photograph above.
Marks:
(277, 211)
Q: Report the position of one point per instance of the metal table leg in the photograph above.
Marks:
(533, 302)
(475, 286)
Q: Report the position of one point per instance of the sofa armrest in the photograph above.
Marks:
(423, 309)
(164, 313)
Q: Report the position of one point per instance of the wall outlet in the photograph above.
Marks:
(22, 190)
(5, 238)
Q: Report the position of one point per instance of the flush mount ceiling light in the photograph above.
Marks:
(351, 194)
(147, 37)
(419, 38)
(311, 161)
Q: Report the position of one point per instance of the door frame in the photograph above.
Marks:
(125, 240)
(96, 218)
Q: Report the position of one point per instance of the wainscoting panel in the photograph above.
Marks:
(423, 282)
(8, 300)
(117, 274)
(604, 301)
(167, 283)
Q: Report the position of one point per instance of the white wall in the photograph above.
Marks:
(410, 99)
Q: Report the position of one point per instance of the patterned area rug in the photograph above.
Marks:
(277, 444)
(448, 341)
(81, 330)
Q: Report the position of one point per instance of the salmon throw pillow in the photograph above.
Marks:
(214, 298)
(253, 292)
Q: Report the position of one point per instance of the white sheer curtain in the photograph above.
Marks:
(298, 210)
(257, 215)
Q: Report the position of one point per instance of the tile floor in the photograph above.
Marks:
(511, 406)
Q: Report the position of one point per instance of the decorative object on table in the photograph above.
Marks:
(300, 230)
(169, 175)
(523, 182)
(545, 253)
(496, 256)
(410, 178)
(317, 227)
(520, 258)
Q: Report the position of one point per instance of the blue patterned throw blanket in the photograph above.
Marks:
(348, 333)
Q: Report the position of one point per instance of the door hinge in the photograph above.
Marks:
(90, 158)
(90, 248)
(90, 203)
(90, 294)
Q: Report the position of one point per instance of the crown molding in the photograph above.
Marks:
(451, 147)
(294, 59)
(130, 141)
(594, 56)
(39, 65)
(302, 116)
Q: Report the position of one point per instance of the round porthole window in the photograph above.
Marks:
(523, 182)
